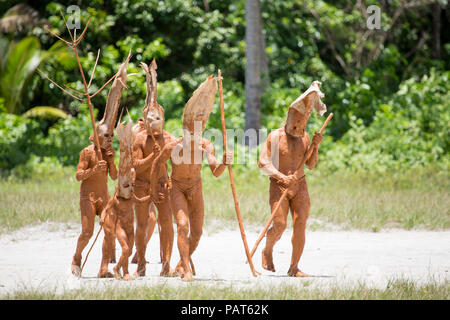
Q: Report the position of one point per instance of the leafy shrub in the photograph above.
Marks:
(18, 139)
(39, 169)
(68, 137)
(410, 131)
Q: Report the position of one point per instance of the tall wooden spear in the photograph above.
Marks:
(283, 196)
(233, 189)
(73, 44)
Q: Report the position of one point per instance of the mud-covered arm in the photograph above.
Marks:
(109, 208)
(140, 200)
(162, 157)
(314, 157)
(83, 170)
(109, 157)
(265, 161)
(140, 163)
(216, 168)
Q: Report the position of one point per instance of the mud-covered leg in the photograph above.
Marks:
(181, 212)
(87, 229)
(142, 218)
(122, 237)
(166, 236)
(196, 218)
(300, 211)
(150, 228)
(277, 228)
(109, 231)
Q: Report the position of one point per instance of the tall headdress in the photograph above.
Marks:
(199, 106)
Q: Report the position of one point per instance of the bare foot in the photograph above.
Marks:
(187, 277)
(76, 270)
(117, 274)
(127, 277)
(106, 274)
(179, 270)
(295, 272)
(166, 271)
(267, 261)
(140, 272)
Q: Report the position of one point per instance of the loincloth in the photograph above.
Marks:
(293, 190)
(187, 188)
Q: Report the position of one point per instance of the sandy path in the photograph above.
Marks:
(40, 257)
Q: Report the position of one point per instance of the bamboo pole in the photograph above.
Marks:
(233, 189)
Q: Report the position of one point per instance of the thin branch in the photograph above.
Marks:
(112, 78)
(67, 26)
(43, 74)
(93, 70)
(82, 34)
(79, 92)
(331, 44)
(55, 35)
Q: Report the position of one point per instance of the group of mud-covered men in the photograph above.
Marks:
(144, 182)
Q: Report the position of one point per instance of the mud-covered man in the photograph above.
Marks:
(284, 150)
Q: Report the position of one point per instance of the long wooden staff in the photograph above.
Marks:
(233, 189)
(283, 196)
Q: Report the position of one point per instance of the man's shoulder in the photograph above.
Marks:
(173, 142)
(168, 137)
(277, 132)
(89, 149)
(140, 137)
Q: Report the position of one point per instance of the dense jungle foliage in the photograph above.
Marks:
(388, 88)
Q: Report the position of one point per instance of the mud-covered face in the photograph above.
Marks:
(154, 121)
(126, 184)
(296, 122)
(104, 137)
(126, 189)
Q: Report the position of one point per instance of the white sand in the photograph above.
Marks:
(40, 257)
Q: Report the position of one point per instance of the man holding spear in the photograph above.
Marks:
(97, 159)
(286, 151)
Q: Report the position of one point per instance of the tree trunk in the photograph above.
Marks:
(265, 79)
(253, 55)
(436, 9)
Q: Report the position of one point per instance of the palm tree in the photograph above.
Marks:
(256, 64)
(18, 63)
(19, 59)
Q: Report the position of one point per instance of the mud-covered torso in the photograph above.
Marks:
(124, 206)
(96, 183)
(291, 151)
(146, 145)
(187, 167)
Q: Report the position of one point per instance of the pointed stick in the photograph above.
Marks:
(87, 255)
(93, 70)
(233, 189)
(283, 196)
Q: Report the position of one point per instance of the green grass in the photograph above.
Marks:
(395, 290)
(409, 199)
